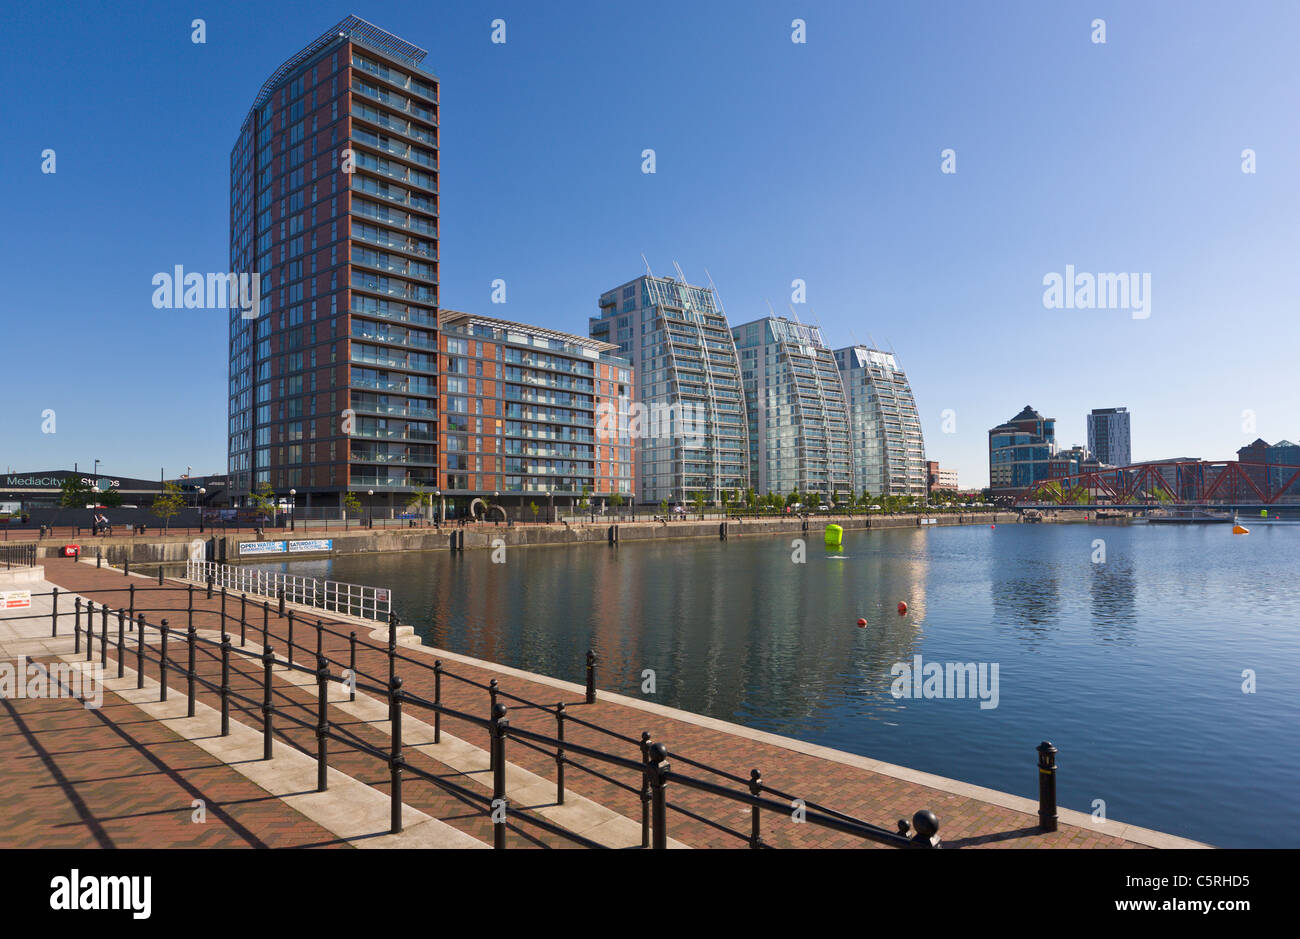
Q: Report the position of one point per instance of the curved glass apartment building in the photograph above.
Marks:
(887, 443)
(798, 413)
(692, 438)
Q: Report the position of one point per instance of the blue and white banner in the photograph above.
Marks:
(261, 547)
(323, 545)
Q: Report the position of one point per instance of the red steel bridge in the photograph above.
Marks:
(1227, 484)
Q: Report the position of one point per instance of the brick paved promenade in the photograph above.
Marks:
(873, 792)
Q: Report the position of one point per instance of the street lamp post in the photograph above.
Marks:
(437, 495)
(293, 502)
(370, 508)
(198, 500)
(496, 496)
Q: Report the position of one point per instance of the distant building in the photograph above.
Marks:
(1109, 439)
(936, 477)
(1283, 458)
(798, 414)
(887, 443)
(1020, 452)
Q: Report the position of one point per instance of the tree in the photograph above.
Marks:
(750, 498)
(663, 507)
(616, 499)
(533, 506)
(262, 500)
(699, 503)
(351, 503)
(419, 499)
(75, 494)
(168, 504)
(814, 500)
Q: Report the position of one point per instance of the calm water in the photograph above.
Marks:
(1132, 667)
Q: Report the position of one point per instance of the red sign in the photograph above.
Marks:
(71, 550)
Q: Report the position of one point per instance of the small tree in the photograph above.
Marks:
(699, 503)
(262, 499)
(663, 507)
(75, 494)
(534, 508)
(351, 504)
(168, 504)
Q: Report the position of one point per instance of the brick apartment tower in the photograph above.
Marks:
(334, 201)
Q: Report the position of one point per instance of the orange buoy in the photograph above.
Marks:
(902, 607)
(862, 622)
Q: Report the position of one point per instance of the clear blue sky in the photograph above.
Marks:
(775, 161)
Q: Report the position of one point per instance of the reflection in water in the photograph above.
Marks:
(1026, 594)
(1114, 601)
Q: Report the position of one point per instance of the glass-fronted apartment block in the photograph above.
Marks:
(798, 414)
(888, 446)
(1109, 438)
(529, 414)
(693, 439)
(334, 203)
(1021, 451)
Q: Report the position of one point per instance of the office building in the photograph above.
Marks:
(937, 477)
(1020, 452)
(334, 203)
(798, 414)
(692, 441)
(1108, 436)
(887, 446)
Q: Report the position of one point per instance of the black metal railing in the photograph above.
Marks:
(18, 554)
(650, 765)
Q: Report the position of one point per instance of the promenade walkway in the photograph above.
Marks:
(598, 808)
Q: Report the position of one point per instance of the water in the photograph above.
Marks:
(1132, 667)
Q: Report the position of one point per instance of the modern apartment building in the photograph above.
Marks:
(530, 415)
(1020, 452)
(798, 414)
(693, 438)
(334, 203)
(888, 447)
(1108, 436)
(938, 477)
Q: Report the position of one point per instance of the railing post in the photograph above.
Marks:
(1047, 818)
(126, 567)
(395, 758)
(160, 577)
(437, 700)
(268, 659)
(162, 663)
(499, 806)
(209, 586)
(492, 707)
(243, 619)
(659, 800)
(54, 612)
(189, 606)
(225, 685)
(559, 754)
(139, 654)
(76, 624)
(322, 722)
(223, 608)
(591, 677)
(103, 635)
(191, 634)
(756, 790)
(289, 658)
(266, 615)
(121, 641)
(392, 655)
(320, 637)
(645, 789)
(90, 628)
(99, 557)
(926, 824)
(352, 664)
(280, 593)
(130, 618)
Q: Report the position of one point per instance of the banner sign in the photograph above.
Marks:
(261, 547)
(16, 600)
(324, 545)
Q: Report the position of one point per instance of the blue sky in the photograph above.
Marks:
(775, 161)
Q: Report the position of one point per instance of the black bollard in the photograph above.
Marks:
(395, 758)
(121, 641)
(1047, 819)
(54, 613)
(76, 625)
(756, 790)
(162, 663)
(322, 722)
(191, 634)
(559, 754)
(268, 659)
(499, 727)
(139, 654)
(659, 768)
(591, 677)
(437, 700)
(225, 685)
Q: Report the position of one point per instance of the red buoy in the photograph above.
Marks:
(902, 608)
(993, 526)
(862, 622)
